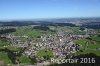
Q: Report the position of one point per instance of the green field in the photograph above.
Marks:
(81, 42)
(4, 57)
(4, 42)
(97, 52)
(27, 31)
(75, 30)
(95, 37)
(33, 33)
(24, 59)
(45, 52)
(92, 45)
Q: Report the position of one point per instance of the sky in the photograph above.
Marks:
(31, 9)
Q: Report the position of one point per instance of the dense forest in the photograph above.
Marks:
(45, 28)
(4, 31)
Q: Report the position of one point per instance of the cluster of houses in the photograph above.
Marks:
(62, 43)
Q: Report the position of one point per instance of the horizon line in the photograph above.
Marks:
(26, 19)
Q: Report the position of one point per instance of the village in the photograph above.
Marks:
(61, 44)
